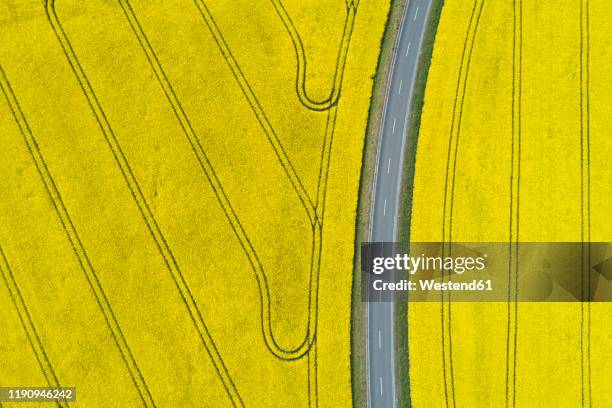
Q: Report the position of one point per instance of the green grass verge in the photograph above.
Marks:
(401, 309)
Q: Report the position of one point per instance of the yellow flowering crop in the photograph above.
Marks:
(514, 146)
(178, 198)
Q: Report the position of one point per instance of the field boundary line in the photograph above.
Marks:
(147, 215)
(585, 209)
(449, 197)
(258, 111)
(514, 225)
(76, 244)
(28, 325)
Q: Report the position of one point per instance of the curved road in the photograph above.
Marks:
(385, 203)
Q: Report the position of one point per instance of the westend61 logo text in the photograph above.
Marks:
(412, 264)
(486, 271)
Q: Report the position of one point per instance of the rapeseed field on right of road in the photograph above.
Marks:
(514, 146)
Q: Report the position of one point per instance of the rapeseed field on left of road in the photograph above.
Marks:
(178, 198)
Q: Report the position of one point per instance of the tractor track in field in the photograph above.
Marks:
(76, 244)
(154, 229)
(449, 195)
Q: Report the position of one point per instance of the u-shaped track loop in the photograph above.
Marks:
(209, 171)
(300, 54)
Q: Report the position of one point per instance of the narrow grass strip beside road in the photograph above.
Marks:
(401, 309)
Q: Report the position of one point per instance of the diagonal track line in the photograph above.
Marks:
(75, 242)
(147, 215)
(28, 325)
(319, 207)
(224, 202)
(258, 111)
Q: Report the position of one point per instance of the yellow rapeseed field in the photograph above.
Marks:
(514, 146)
(178, 197)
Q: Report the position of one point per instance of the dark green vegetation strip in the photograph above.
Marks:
(362, 225)
(401, 309)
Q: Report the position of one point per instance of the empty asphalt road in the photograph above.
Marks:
(386, 191)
